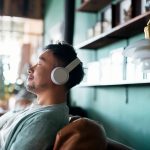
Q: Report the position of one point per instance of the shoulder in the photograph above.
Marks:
(49, 114)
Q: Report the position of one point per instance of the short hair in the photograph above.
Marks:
(66, 53)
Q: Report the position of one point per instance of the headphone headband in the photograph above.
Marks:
(73, 64)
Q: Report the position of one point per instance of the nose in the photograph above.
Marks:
(31, 69)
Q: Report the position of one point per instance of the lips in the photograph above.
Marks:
(30, 77)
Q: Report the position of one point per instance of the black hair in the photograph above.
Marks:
(66, 53)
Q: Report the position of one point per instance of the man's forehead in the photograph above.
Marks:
(45, 52)
(47, 56)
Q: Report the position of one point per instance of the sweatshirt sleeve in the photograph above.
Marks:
(38, 133)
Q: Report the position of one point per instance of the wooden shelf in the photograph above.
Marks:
(93, 5)
(124, 31)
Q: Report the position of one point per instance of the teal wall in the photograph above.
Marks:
(124, 121)
(53, 15)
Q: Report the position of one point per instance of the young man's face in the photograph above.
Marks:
(39, 74)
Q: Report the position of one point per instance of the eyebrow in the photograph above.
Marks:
(42, 58)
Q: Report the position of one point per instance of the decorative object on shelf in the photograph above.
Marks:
(147, 30)
(143, 6)
(98, 28)
(133, 71)
(140, 51)
(90, 32)
(147, 5)
(107, 19)
(105, 70)
(117, 65)
(94, 72)
(125, 10)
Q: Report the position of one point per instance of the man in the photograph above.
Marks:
(58, 69)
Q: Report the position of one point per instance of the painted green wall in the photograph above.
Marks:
(124, 121)
(53, 15)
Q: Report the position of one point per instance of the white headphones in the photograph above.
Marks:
(60, 75)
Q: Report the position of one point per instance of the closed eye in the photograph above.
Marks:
(38, 64)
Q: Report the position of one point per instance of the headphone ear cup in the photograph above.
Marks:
(59, 75)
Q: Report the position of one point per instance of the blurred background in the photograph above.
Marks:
(21, 40)
(115, 90)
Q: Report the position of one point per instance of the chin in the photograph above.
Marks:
(30, 88)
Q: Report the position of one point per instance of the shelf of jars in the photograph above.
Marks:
(123, 31)
(115, 69)
(117, 21)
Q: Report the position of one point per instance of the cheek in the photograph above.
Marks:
(42, 76)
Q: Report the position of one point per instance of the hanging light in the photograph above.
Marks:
(140, 51)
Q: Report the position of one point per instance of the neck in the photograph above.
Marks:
(50, 97)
